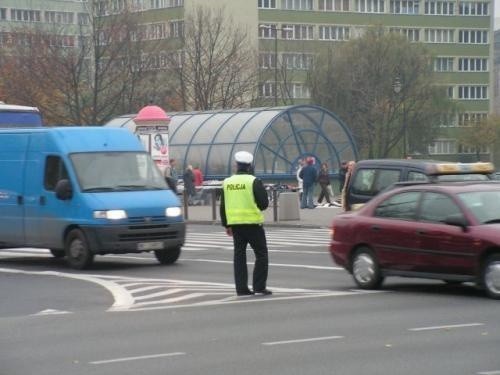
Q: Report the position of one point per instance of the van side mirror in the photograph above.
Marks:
(64, 190)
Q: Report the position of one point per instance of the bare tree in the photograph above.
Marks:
(217, 67)
(86, 78)
(382, 86)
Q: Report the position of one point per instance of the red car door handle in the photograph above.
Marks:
(420, 231)
(375, 228)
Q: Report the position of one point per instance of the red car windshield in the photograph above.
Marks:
(485, 205)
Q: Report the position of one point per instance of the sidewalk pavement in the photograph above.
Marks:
(319, 217)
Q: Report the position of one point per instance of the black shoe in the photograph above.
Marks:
(245, 293)
(264, 292)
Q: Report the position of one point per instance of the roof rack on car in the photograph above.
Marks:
(460, 168)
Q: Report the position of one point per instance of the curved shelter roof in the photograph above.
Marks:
(277, 137)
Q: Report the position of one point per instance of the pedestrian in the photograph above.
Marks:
(350, 167)
(309, 175)
(324, 184)
(189, 189)
(198, 176)
(243, 199)
(171, 175)
(300, 187)
(342, 173)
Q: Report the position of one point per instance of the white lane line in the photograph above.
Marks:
(122, 298)
(445, 327)
(124, 359)
(270, 264)
(159, 294)
(302, 340)
(496, 372)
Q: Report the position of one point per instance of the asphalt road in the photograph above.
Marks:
(129, 315)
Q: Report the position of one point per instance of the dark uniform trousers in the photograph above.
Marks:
(256, 237)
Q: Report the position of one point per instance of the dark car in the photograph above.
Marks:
(448, 231)
(372, 176)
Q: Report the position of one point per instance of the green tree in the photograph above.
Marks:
(479, 135)
(383, 87)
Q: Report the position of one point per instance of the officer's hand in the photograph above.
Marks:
(229, 231)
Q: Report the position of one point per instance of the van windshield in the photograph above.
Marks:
(116, 171)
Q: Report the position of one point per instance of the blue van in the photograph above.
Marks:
(19, 116)
(85, 191)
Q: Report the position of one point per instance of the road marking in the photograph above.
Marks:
(124, 359)
(302, 340)
(122, 298)
(446, 327)
(496, 372)
(51, 312)
(270, 264)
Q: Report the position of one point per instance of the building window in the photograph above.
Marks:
(267, 31)
(470, 92)
(83, 18)
(413, 35)
(298, 91)
(297, 4)
(443, 147)
(462, 149)
(404, 6)
(267, 4)
(176, 29)
(473, 36)
(266, 90)
(473, 8)
(297, 61)
(443, 64)
(59, 17)
(439, 36)
(472, 64)
(467, 119)
(267, 60)
(3, 14)
(369, 6)
(333, 33)
(440, 8)
(334, 5)
(25, 15)
(297, 32)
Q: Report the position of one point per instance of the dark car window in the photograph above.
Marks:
(399, 206)
(417, 176)
(437, 207)
(370, 181)
(54, 171)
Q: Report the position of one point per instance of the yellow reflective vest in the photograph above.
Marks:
(239, 200)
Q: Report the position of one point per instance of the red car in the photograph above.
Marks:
(447, 231)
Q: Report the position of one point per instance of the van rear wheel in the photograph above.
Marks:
(77, 250)
(168, 256)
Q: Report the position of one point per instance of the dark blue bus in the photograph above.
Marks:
(19, 116)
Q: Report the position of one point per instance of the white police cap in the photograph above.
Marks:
(243, 157)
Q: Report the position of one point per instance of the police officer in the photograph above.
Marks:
(242, 200)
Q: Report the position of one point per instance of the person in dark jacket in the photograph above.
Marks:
(324, 183)
(243, 199)
(309, 175)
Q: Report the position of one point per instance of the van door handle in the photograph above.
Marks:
(20, 199)
(42, 200)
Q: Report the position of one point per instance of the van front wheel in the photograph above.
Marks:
(168, 256)
(77, 250)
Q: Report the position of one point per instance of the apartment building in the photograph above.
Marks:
(288, 34)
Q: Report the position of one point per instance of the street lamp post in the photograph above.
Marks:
(397, 86)
(275, 30)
